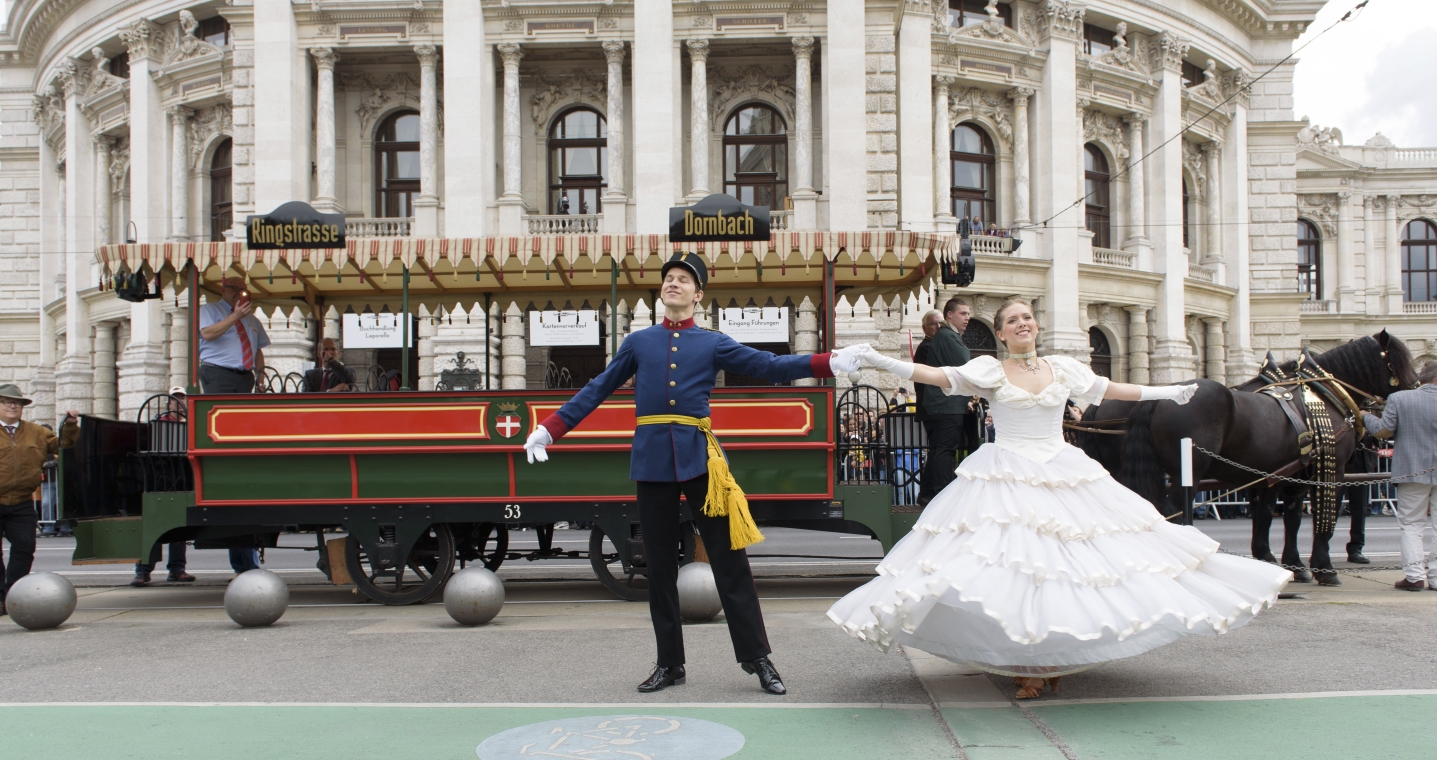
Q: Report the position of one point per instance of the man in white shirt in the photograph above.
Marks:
(232, 342)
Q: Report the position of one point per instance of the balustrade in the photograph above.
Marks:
(386, 227)
(1110, 257)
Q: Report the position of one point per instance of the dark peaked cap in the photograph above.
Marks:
(691, 261)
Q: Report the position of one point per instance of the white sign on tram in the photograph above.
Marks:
(755, 325)
(374, 331)
(564, 328)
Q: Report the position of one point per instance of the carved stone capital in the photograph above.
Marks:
(180, 113)
(510, 54)
(1211, 148)
(73, 75)
(324, 58)
(1169, 52)
(614, 51)
(941, 82)
(803, 46)
(1062, 19)
(1344, 196)
(698, 50)
(1135, 120)
(1020, 95)
(428, 55)
(103, 144)
(143, 39)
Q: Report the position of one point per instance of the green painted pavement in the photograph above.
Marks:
(1001, 733)
(262, 732)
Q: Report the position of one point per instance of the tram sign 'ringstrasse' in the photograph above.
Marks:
(718, 217)
(294, 225)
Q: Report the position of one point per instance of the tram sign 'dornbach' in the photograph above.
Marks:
(718, 217)
(294, 225)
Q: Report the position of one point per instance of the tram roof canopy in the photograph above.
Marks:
(540, 268)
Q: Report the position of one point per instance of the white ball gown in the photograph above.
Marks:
(1035, 562)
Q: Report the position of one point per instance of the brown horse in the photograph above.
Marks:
(1245, 427)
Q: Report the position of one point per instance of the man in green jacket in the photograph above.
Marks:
(944, 415)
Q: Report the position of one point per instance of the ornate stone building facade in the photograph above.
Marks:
(1143, 153)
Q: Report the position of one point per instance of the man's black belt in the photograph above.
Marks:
(226, 369)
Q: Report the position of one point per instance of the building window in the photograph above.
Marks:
(972, 192)
(965, 12)
(755, 157)
(120, 65)
(1309, 259)
(221, 197)
(396, 165)
(578, 168)
(1187, 215)
(1419, 261)
(1095, 185)
(1097, 40)
(979, 339)
(214, 30)
(1192, 74)
(1100, 354)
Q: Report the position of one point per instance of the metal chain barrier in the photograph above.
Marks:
(1297, 481)
(1342, 570)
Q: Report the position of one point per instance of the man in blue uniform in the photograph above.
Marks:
(674, 365)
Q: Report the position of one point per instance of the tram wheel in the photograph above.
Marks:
(625, 586)
(428, 566)
(486, 542)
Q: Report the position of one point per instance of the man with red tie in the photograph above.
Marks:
(232, 342)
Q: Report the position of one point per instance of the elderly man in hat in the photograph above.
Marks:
(674, 366)
(232, 342)
(24, 447)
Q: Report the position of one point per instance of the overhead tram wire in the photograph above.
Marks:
(1246, 87)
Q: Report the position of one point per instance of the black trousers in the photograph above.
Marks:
(659, 519)
(945, 437)
(17, 525)
(214, 379)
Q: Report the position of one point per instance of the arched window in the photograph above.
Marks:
(979, 339)
(1101, 353)
(755, 157)
(221, 196)
(1309, 259)
(972, 156)
(396, 165)
(1187, 204)
(578, 162)
(1095, 184)
(1419, 261)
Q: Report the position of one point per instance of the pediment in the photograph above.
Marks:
(1318, 160)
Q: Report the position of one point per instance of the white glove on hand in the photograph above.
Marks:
(845, 360)
(872, 358)
(534, 447)
(1179, 393)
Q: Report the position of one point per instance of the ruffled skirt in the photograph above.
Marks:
(1023, 568)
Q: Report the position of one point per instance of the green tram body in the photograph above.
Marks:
(388, 467)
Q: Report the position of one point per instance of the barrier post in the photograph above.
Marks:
(1185, 452)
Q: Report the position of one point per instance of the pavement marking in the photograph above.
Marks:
(649, 736)
(1237, 697)
(507, 705)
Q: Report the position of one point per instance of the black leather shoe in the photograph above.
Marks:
(180, 577)
(768, 676)
(663, 678)
(140, 580)
(1358, 559)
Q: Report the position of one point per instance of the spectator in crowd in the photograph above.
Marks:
(330, 376)
(860, 432)
(174, 411)
(24, 448)
(232, 342)
(944, 414)
(993, 230)
(1410, 419)
(900, 401)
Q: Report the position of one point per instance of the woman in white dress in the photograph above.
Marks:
(1034, 561)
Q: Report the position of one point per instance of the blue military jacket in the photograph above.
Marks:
(674, 365)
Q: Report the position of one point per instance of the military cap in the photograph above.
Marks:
(690, 261)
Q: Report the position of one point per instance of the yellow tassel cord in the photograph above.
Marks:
(725, 498)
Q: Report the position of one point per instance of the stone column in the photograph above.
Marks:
(658, 135)
(428, 373)
(327, 199)
(1172, 355)
(942, 162)
(1137, 241)
(1242, 365)
(1216, 350)
(1022, 212)
(805, 198)
(511, 203)
(103, 144)
(179, 172)
(468, 122)
(1212, 152)
(1138, 345)
(1346, 292)
(616, 210)
(845, 118)
(1392, 263)
(805, 334)
(74, 376)
(106, 402)
(179, 347)
(145, 42)
(1372, 260)
(282, 106)
(426, 206)
(698, 118)
(513, 351)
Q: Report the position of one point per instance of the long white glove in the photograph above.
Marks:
(845, 359)
(534, 447)
(872, 358)
(1179, 393)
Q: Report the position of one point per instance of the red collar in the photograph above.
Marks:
(672, 325)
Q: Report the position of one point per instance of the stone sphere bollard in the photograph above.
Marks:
(474, 596)
(698, 594)
(256, 598)
(41, 600)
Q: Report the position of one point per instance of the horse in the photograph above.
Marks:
(1251, 429)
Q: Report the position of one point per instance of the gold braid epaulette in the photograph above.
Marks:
(725, 498)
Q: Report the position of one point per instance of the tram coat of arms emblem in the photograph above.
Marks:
(508, 423)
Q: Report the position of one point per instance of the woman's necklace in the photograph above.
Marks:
(1025, 362)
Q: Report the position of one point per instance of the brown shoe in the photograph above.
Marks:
(180, 577)
(1407, 585)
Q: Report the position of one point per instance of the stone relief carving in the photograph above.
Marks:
(119, 167)
(608, 23)
(991, 28)
(971, 102)
(513, 25)
(1209, 87)
(1121, 56)
(729, 85)
(1060, 18)
(1379, 140)
(1320, 208)
(73, 76)
(143, 39)
(702, 21)
(419, 28)
(188, 46)
(381, 91)
(1420, 205)
(205, 124)
(100, 77)
(1107, 129)
(48, 108)
(1325, 139)
(1196, 165)
(574, 86)
(799, 19)
(1235, 85)
(1167, 52)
